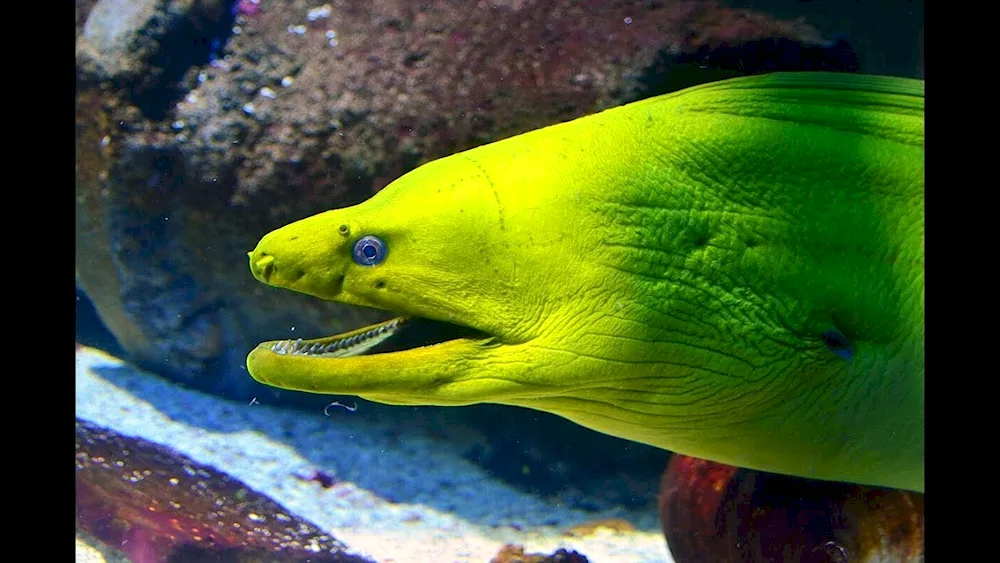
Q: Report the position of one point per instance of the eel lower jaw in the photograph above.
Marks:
(405, 360)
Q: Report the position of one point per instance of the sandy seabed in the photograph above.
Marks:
(396, 500)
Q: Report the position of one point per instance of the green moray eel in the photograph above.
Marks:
(733, 272)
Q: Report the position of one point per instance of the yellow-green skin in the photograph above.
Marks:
(662, 271)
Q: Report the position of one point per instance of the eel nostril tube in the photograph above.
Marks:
(262, 266)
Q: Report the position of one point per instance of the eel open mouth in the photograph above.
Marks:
(397, 334)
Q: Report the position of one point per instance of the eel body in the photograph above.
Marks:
(733, 272)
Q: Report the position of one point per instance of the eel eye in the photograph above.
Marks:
(369, 250)
(838, 343)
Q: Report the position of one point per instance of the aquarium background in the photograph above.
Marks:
(202, 125)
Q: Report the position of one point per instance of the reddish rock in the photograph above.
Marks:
(157, 506)
(712, 512)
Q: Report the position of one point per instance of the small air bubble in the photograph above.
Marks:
(319, 13)
(628, 21)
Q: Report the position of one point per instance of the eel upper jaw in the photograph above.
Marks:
(362, 340)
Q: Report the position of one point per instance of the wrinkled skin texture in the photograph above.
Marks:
(666, 271)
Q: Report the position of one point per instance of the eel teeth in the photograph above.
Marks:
(341, 347)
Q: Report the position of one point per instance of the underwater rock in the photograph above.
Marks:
(712, 512)
(615, 525)
(156, 506)
(515, 554)
(83, 8)
(130, 41)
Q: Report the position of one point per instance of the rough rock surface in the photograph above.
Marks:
(159, 505)
(203, 125)
(716, 512)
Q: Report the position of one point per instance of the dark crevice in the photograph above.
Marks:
(584, 469)
(194, 42)
(670, 73)
(419, 332)
(91, 330)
